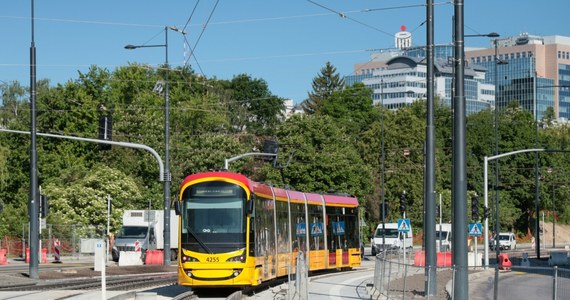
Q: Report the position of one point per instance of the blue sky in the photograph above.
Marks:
(286, 43)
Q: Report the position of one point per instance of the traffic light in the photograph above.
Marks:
(486, 212)
(475, 207)
(437, 211)
(270, 147)
(403, 202)
(384, 213)
(44, 206)
(105, 131)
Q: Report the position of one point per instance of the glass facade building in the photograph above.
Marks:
(536, 73)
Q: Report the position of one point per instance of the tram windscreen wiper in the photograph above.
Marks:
(190, 232)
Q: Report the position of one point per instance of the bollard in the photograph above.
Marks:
(57, 252)
(525, 262)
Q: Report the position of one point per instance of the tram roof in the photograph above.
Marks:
(279, 193)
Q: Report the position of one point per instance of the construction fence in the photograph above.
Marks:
(71, 240)
(509, 278)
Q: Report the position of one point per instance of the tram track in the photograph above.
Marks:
(115, 283)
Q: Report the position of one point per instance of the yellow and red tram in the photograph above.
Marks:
(237, 232)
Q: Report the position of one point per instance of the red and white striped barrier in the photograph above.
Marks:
(56, 252)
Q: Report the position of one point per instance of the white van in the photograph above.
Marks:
(390, 238)
(507, 240)
(443, 236)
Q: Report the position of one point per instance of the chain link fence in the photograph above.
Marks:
(73, 240)
(396, 278)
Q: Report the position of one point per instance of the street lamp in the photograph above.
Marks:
(496, 121)
(490, 34)
(383, 199)
(166, 176)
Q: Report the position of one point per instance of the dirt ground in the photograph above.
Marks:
(110, 271)
(562, 234)
(415, 286)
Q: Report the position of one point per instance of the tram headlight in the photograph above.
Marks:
(186, 258)
(239, 258)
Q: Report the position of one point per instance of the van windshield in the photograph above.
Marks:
(390, 233)
(504, 237)
(132, 232)
(441, 235)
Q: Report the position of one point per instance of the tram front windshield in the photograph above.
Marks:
(213, 218)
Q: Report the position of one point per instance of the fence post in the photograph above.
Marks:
(73, 240)
(50, 240)
(405, 278)
(452, 281)
(389, 278)
(24, 241)
(554, 284)
(428, 292)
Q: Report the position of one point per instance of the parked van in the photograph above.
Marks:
(443, 236)
(389, 238)
(507, 240)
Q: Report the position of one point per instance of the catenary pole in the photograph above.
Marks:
(33, 207)
(429, 190)
(459, 180)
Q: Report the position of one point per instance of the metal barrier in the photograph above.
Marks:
(298, 286)
(396, 279)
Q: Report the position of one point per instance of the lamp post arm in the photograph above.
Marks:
(228, 160)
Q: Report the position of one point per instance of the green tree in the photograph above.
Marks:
(83, 200)
(323, 157)
(324, 85)
(352, 107)
(253, 108)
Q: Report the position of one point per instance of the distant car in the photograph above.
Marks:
(507, 240)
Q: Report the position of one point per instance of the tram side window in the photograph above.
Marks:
(351, 227)
(264, 226)
(252, 226)
(299, 226)
(334, 228)
(283, 242)
(342, 228)
(317, 227)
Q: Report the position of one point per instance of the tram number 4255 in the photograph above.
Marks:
(213, 259)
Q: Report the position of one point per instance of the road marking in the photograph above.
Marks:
(335, 291)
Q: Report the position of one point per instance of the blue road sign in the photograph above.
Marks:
(404, 225)
(475, 229)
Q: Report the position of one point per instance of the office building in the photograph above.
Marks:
(534, 71)
(398, 77)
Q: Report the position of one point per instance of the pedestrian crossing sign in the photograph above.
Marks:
(475, 229)
(403, 225)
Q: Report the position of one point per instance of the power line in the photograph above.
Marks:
(343, 15)
(190, 17)
(200, 36)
